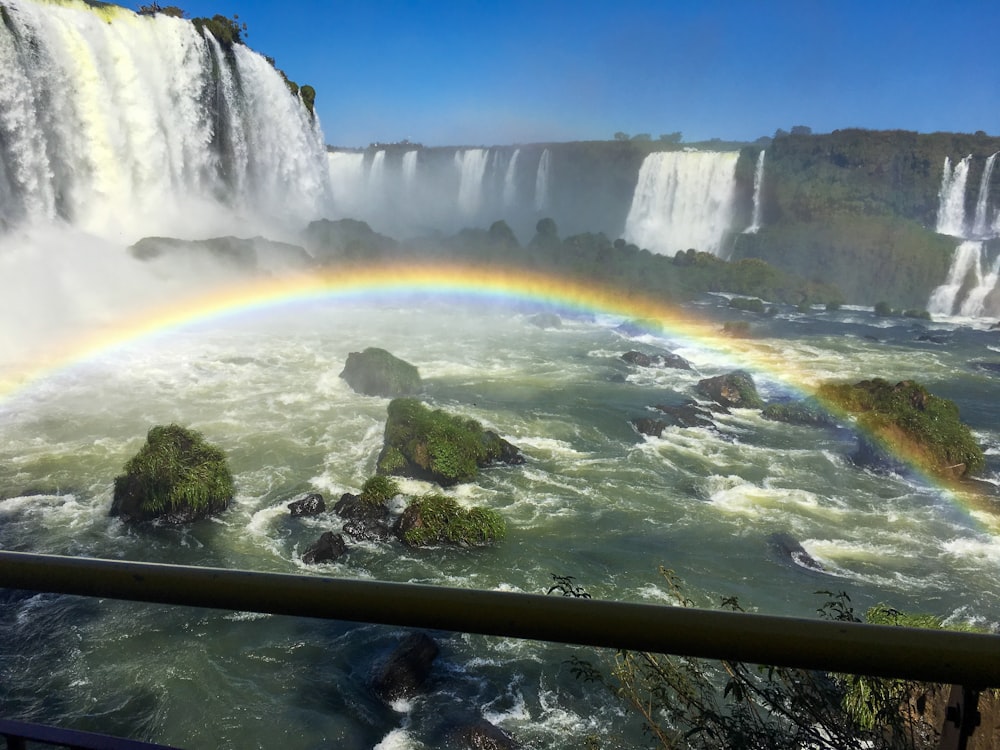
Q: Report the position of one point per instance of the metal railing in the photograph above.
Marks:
(938, 656)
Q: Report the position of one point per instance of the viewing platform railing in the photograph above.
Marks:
(964, 659)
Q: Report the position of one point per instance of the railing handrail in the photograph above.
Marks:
(940, 656)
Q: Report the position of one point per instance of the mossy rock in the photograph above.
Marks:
(807, 412)
(437, 519)
(733, 390)
(909, 422)
(437, 446)
(176, 477)
(376, 372)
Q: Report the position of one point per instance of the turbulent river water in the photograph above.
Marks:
(594, 500)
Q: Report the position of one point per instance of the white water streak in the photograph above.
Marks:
(951, 198)
(758, 182)
(542, 181)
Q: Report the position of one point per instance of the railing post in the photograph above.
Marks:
(961, 717)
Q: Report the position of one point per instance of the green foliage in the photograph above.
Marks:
(227, 31)
(911, 422)
(882, 309)
(441, 520)
(434, 444)
(308, 94)
(379, 490)
(694, 703)
(737, 329)
(176, 471)
(166, 10)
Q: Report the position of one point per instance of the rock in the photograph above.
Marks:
(346, 239)
(366, 521)
(807, 413)
(437, 519)
(256, 254)
(685, 415)
(912, 422)
(438, 447)
(310, 505)
(662, 359)
(407, 668)
(787, 547)
(376, 372)
(176, 477)
(481, 735)
(732, 390)
(327, 548)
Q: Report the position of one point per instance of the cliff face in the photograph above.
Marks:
(861, 209)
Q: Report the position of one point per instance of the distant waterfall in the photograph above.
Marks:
(971, 272)
(119, 123)
(409, 169)
(951, 198)
(683, 200)
(980, 222)
(472, 166)
(758, 181)
(542, 182)
(509, 180)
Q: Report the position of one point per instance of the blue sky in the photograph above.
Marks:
(486, 73)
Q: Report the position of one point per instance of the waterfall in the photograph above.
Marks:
(509, 180)
(758, 181)
(472, 166)
(347, 180)
(542, 182)
(683, 199)
(951, 198)
(969, 260)
(409, 169)
(944, 299)
(980, 222)
(120, 124)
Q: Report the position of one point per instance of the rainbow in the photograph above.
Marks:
(461, 282)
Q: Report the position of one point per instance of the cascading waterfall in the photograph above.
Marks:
(121, 124)
(966, 274)
(683, 199)
(951, 198)
(472, 167)
(376, 174)
(509, 180)
(409, 169)
(980, 222)
(758, 181)
(542, 181)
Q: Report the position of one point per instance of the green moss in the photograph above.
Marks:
(175, 472)
(438, 519)
(379, 490)
(308, 94)
(434, 444)
(911, 422)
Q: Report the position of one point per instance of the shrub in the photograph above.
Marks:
(437, 519)
(177, 474)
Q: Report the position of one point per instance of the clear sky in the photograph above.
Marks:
(471, 72)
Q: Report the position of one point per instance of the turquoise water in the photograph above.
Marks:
(595, 500)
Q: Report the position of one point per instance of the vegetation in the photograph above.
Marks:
(437, 519)
(696, 703)
(227, 31)
(175, 474)
(437, 446)
(910, 421)
(379, 490)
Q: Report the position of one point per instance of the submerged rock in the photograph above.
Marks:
(310, 505)
(789, 548)
(481, 735)
(660, 359)
(685, 415)
(403, 674)
(327, 548)
(807, 413)
(546, 320)
(376, 372)
(176, 477)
